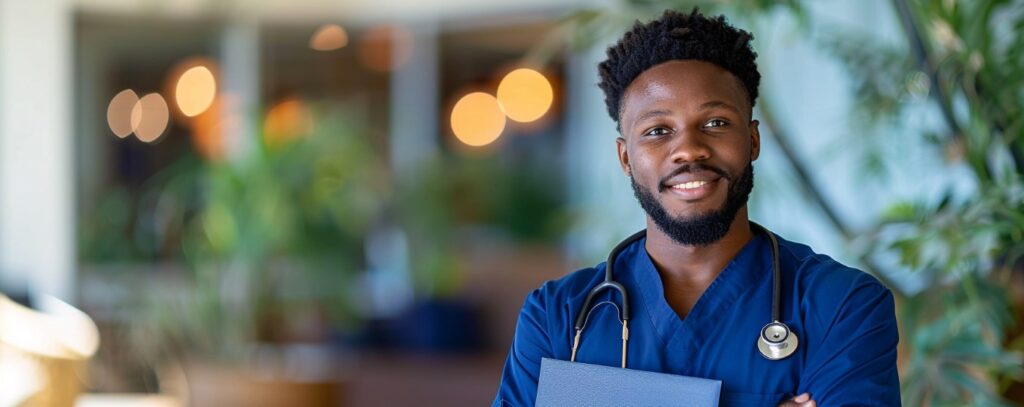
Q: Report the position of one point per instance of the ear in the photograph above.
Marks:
(755, 140)
(620, 145)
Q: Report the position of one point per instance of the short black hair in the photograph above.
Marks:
(677, 36)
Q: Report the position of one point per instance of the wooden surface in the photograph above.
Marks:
(400, 380)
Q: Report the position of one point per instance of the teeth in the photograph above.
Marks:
(690, 185)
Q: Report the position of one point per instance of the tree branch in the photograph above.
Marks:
(807, 184)
(925, 63)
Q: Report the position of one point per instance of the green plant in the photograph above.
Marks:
(958, 326)
(452, 192)
(276, 231)
(966, 56)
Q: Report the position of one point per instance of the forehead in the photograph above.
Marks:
(682, 85)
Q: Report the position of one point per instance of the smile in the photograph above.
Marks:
(694, 190)
(690, 185)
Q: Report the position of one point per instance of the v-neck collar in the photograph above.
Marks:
(685, 334)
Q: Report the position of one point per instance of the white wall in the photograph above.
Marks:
(36, 190)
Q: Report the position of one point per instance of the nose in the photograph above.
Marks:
(690, 147)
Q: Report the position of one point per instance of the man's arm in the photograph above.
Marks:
(855, 362)
(530, 343)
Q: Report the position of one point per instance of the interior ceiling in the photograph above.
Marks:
(512, 38)
(355, 11)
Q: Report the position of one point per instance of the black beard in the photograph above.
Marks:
(702, 229)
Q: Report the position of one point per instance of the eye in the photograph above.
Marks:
(657, 131)
(715, 123)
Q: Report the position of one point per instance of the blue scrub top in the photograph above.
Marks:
(844, 319)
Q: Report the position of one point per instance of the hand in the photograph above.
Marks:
(803, 400)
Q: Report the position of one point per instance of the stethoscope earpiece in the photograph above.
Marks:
(776, 341)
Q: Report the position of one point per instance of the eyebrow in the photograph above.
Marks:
(718, 103)
(651, 113)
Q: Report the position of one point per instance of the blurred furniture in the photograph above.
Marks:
(126, 400)
(425, 380)
(213, 385)
(270, 376)
(498, 278)
(43, 353)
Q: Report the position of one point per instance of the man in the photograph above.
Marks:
(682, 89)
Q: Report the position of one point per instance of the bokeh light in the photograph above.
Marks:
(195, 90)
(286, 121)
(191, 87)
(149, 117)
(119, 113)
(207, 130)
(385, 48)
(525, 95)
(477, 119)
(328, 37)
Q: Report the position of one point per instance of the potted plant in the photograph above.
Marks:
(272, 240)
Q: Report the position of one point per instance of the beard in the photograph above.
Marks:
(701, 229)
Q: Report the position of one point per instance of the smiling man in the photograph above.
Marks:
(703, 295)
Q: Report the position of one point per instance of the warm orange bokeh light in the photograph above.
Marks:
(210, 129)
(525, 95)
(477, 119)
(287, 120)
(328, 37)
(191, 87)
(149, 117)
(119, 113)
(195, 90)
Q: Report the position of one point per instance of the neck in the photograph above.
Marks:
(696, 264)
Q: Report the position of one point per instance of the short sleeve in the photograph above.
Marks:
(855, 361)
(531, 343)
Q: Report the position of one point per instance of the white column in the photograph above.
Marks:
(36, 148)
(240, 84)
(414, 102)
(413, 141)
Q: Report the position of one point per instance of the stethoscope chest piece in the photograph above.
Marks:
(776, 341)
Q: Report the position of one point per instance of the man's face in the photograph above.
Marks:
(687, 144)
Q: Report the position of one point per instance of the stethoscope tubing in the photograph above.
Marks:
(777, 347)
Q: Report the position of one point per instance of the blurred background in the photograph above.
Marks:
(321, 202)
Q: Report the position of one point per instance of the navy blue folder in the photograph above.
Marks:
(567, 384)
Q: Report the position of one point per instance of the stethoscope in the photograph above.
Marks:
(775, 342)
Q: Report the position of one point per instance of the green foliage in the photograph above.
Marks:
(275, 231)
(587, 27)
(956, 334)
(106, 236)
(958, 327)
(463, 192)
(424, 207)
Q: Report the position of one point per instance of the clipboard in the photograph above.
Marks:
(568, 384)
